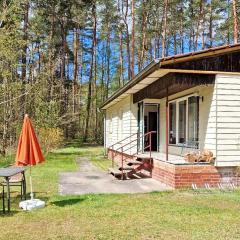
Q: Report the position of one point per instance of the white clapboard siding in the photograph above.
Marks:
(211, 135)
(223, 163)
(226, 136)
(228, 114)
(134, 127)
(228, 79)
(222, 92)
(212, 125)
(227, 108)
(228, 158)
(234, 86)
(211, 131)
(108, 136)
(228, 130)
(228, 147)
(121, 123)
(226, 105)
(114, 126)
(118, 119)
(229, 152)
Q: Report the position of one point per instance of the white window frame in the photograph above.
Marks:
(177, 100)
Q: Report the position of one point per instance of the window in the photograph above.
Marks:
(193, 118)
(172, 123)
(184, 120)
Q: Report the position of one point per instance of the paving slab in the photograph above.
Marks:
(90, 179)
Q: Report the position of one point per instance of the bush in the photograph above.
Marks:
(50, 138)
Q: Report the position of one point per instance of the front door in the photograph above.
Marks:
(153, 126)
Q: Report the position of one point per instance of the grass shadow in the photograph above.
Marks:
(68, 202)
(9, 214)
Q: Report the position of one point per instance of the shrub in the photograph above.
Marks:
(50, 138)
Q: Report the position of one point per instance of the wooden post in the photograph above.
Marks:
(150, 144)
(167, 124)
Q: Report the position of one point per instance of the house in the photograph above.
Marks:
(175, 105)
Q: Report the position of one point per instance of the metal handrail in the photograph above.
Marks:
(149, 146)
(122, 147)
(122, 140)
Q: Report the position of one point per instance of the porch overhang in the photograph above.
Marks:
(172, 83)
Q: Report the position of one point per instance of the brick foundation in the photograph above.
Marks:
(181, 175)
(118, 156)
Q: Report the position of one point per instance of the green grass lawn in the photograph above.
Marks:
(167, 215)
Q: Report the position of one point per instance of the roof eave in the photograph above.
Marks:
(141, 75)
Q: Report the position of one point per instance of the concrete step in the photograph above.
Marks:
(126, 168)
(115, 172)
(144, 159)
(133, 162)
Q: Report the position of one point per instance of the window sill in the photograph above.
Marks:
(181, 146)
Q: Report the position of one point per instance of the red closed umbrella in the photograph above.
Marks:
(29, 152)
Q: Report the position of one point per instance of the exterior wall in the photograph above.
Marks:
(117, 122)
(227, 115)
(134, 126)
(219, 120)
(206, 127)
(121, 122)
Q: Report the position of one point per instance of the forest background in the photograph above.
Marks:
(60, 60)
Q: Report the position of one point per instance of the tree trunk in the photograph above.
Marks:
(164, 29)
(210, 25)
(63, 52)
(181, 29)
(95, 77)
(25, 37)
(121, 77)
(235, 21)
(89, 96)
(24, 55)
(50, 58)
(127, 40)
(108, 51)
(143, 47)
(191, 32)
(133, 39)
(75, 73)
(198, 24)
(228, 32)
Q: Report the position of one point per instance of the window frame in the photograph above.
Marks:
(177, 100)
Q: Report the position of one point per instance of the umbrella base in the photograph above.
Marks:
(31, 204)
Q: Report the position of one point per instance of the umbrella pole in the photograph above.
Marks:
(31, 188)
